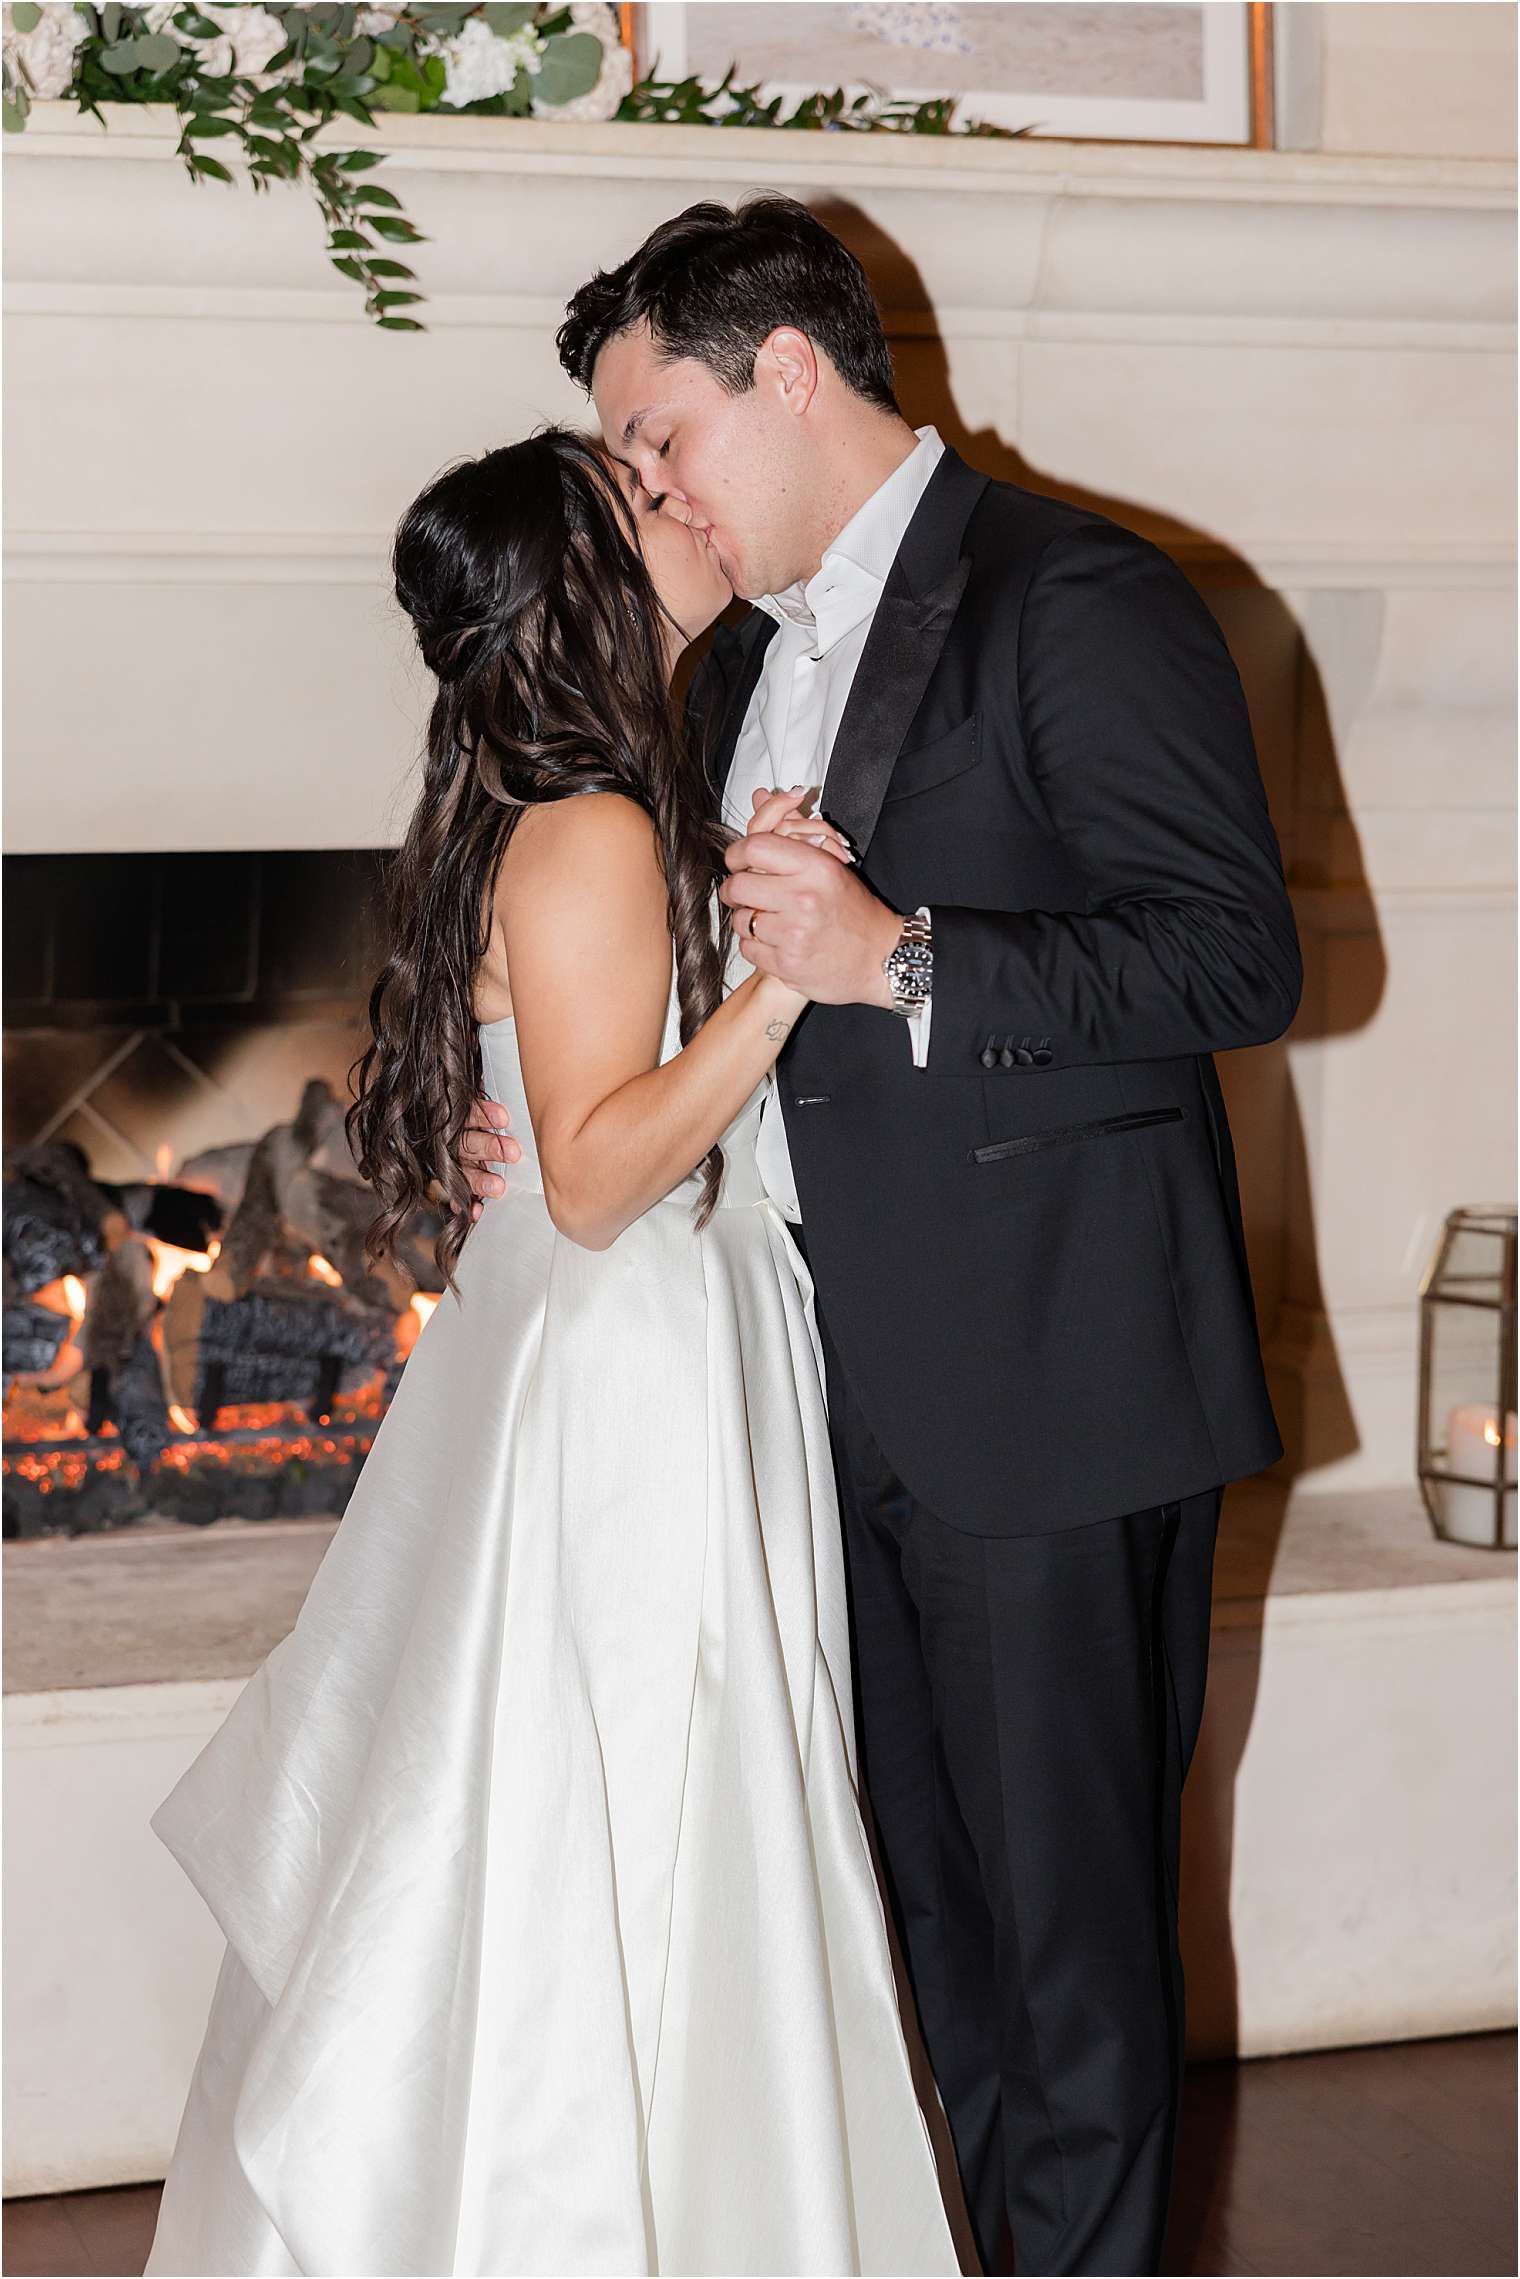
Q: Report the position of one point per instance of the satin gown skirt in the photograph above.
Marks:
(554, 1943)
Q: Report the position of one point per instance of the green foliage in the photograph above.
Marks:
(328, 70)
(688, 103)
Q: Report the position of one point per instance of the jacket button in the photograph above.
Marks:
(1043, 1056)
(1024, 1057)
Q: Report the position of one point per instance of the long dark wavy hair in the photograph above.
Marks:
(522, 576)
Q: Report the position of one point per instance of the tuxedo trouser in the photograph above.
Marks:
(1026, 1709)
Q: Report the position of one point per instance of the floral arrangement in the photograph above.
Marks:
(264, 80)
(268, 79)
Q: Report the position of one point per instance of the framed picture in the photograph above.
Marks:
(1155, 71)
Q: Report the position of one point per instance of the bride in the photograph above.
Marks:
(553, 1942)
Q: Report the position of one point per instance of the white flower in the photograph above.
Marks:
(257, 37)
(371, 22)
(247, 39)
(615, 77)
(44, 56)
(479, 64)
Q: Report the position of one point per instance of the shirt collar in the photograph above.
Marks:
(845, 588)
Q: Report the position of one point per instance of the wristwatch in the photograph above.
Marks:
(909, 966)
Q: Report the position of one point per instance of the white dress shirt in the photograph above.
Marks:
(797, 704)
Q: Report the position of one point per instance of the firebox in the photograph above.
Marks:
(191, 1326)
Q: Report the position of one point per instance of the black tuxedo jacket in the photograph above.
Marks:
(1030, 1252)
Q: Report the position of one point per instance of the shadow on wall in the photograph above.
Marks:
(1320, 849)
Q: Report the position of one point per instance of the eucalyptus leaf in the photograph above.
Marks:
(25, 18)
(570, 66)
(505, 19)
(13, 110)
(157, 52)
(120, 60)
(397, 99)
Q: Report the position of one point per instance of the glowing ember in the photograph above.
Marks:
(181, 1419)
(319, 1267)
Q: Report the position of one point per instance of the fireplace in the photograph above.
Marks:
(191, 1327)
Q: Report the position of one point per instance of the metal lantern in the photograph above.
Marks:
(1466, 1448)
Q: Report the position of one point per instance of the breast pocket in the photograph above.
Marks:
(1063, 1135)
(935, 763)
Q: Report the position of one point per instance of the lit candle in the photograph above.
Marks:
(1472, 1442)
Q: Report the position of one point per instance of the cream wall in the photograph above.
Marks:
(1433, 79)
(1295, 370)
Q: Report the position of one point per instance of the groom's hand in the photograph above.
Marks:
(805, 916)
(485, 1151)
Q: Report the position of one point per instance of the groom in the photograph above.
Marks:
(999, 1132)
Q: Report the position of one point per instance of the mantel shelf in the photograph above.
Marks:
(1038, 165)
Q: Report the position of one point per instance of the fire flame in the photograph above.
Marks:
(1491, 1434)
(170, 1262)
(181, 1419)
(422, 1306)
(318, 1266)
(163, 1161)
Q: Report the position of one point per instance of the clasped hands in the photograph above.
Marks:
(800, 912)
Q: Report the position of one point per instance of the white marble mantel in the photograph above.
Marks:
(1294, 370)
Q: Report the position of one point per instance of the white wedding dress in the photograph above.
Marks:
(554, 1943)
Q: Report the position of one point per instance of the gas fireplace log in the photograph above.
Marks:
(34, 1337)
(220, 1171)
(265, 1348)
(130, 1394)
(56, 1219)
(122, 1304)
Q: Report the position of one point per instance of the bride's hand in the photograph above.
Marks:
(781, 812)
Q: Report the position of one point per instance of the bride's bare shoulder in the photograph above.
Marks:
(591, 833)
(591, 853)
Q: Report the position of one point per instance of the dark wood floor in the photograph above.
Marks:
(1394, 2160)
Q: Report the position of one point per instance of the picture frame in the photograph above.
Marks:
(1222, 46)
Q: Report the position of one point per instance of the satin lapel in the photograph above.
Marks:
(742, 669)
(902, 649)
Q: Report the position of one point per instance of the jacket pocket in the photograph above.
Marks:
(1136, 1120)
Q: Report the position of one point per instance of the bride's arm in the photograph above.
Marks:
(583, 910)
